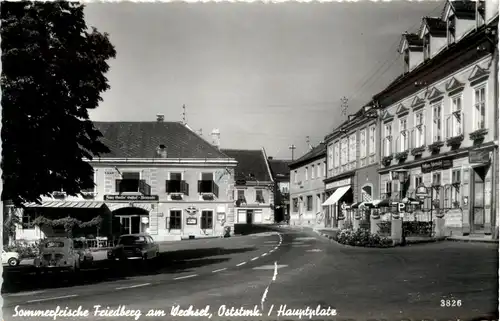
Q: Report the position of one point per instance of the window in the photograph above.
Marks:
(330, 156)
(419, 129)
(309, 203)
(175, 220)
(259, 197)
(403, 130)
(324, 168)
(344, 156)
(479, 108)
(241, 195)
(427, 46)
(436, 179)
(451, 29)
(436, 124)
(313, 173)
(372, 140)
(455, 124)
(174, 185)
(418, 181)
(29, 215)
(362, 143)
(352, 148)
(295, 204)
(295, 176)
(319, 170)
(207, 219)
(455, 188)
(306, 177)
(318, 202)
(129, 182)
(388, 189)
(92, 189)
(388, 139)
(337, 155)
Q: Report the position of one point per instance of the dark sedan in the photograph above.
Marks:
(135, 247)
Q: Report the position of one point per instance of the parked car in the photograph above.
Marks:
(10, 258)
(135, 247)
(58, 254)
(86, 257)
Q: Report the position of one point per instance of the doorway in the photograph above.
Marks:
(249, 216)
(478, 210)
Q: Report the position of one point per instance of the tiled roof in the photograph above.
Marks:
(436, 26)
(312, 154)
(251, 164)
(279, 167)
(413, 40)
(462, 9)
(142, 140)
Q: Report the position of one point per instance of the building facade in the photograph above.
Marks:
(253, 187)
(352, 163)
(440, 118)
(307, 187)
(159, 178)
(281, 177)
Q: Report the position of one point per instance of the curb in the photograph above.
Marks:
(472, 241)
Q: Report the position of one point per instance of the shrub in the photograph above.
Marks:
(25, 249)
(363, 238)
(385, 227)
(348, 225)
(417, 228)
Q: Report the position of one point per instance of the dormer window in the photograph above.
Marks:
(480, 17)
(451, 29)
(406, 54)
(161, 151)
(427, 46)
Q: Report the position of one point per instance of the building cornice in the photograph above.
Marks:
(164, 161)
(293, 166)
(340, 176)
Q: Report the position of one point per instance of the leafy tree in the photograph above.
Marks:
(53, 70)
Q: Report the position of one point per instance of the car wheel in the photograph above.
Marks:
(13, 261)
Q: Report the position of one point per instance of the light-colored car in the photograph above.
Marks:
(135, 246)
(10, 258)
(58, 253)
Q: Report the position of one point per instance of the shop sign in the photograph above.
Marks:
(437, 165)
(145, 220)
(340, 183)
(479, 157)
(421, 191)
(129, 198)
(191, 210)
(191, 221)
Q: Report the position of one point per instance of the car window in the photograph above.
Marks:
(131, 240)
(54, 244)
(151, 240)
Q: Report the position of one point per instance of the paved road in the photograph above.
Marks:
(361, 284)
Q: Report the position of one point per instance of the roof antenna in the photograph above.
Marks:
(184, 115)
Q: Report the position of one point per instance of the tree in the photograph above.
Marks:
(52, 73)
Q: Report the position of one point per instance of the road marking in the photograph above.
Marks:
(25, 293)
(132, 286)
(240, 264)
(264, 254)
(255, 258)
(271, 251)
(185, 277)
(214, 271)
(296, 243)
(314, 250)
(54, 298)
(302, 245)
(307, 238)
(270, 267)
(276, 248)
(269, 242)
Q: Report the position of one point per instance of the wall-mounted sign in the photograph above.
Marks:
(340, 183)
(437, 165)
(421, 191)
(479, 157)
(144, 220)
(221, 217)
(191, 210)
(128, 198)
(191, 221)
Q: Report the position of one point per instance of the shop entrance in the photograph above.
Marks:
(478, 213)
(132, 220)
(249, 216)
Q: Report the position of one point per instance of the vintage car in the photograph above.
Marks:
(58, 253)
(10, 258)
(134, 247)
(86, 257)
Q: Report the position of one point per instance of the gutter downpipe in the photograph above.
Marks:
(495, 138)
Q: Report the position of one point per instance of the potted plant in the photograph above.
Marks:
(436, 146)
(418, 150)
(455, 141)
(387, 160)
(401, 155)
(456, 204)
(478, 134)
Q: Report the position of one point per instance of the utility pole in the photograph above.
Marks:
(292, 147)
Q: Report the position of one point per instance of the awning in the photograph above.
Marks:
(117, 206)
(382, 203)
(334, 198)
(366, 205)
(66, 204)
(411, 201)
(356, 205)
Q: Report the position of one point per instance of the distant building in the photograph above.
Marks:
(281, 176)
(307, 188)
(159, 178)
(253, 187)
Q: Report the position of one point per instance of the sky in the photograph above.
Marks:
(265, 75)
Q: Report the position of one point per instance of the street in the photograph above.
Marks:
(308, 271)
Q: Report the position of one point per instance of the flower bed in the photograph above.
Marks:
(415, 228)
(363, 238)
(26, 250)
(384, 228)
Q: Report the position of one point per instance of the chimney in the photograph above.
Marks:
(215, 137)
(269, 157)
(161, 151)
(160, 117)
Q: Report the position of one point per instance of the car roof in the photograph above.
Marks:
(137, 234)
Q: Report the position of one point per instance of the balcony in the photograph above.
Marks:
(208, 187)
(132, 186)
(177, 187)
